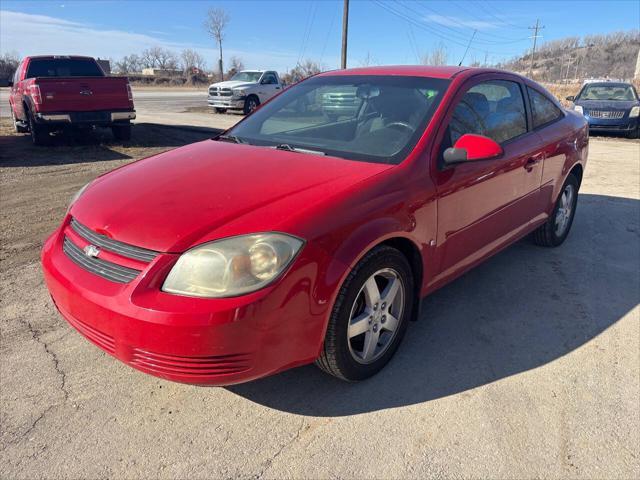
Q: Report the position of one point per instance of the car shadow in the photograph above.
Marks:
(99, 145)
(524, 308)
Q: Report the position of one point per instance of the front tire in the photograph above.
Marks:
(635, 133)
(250, 104)
(221, 110)
(556, 229)
(370, 316)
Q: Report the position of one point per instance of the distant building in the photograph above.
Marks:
(105, 65)
(161, 72)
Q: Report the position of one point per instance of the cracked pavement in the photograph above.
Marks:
(528, 366)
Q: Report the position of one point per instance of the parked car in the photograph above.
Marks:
(292, 239)
(245, 91)
(609, 107)
(49, 93)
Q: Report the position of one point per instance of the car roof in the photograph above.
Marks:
(608, 84)
(445, 72)
(51, 57)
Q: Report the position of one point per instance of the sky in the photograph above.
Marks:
(279, 34)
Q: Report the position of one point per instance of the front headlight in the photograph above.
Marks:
(238, 93)
(578, 109)
(76, 196)
(635, 111)
(233, 266)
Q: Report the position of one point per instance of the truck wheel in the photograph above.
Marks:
(221, 110)
(39, 133)
(122, 132)
(18, 128)
(250, 104)
(556, 229)
(370, 316)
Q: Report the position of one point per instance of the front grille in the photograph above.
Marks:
(193, 366)
(611, 114)
(110, 271)
(114, 246)
(220, 92)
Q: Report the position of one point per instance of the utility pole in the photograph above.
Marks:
(535, 29)
(345, 27)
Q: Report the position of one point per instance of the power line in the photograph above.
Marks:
(435, 32)
(501, 20)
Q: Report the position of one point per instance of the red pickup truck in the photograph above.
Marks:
(50, 93)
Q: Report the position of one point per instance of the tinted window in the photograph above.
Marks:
(63, 67)
(269, 79)
(494, 109)
(360, 117)
(543, 110)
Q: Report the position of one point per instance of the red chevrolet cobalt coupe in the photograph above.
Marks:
(298, 236)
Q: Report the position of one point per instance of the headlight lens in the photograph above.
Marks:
(635, 111)
(233, 266)
(238, 93)
(578, 109)
(76, 196)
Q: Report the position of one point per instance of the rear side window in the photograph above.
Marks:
(544, 111)
(494, 109)
(63, 67)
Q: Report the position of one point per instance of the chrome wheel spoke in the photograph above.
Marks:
(370, 345)
(371, 293)
(391, 323)
(359, 325)
(390, 292)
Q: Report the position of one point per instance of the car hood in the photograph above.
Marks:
(607, 104)
(233, 84)
(210, 190)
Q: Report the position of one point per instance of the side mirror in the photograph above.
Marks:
(571, 98)
(471, 147)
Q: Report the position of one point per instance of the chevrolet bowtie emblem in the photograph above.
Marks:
(91, 251)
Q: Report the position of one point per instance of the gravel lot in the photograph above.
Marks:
(528, 366)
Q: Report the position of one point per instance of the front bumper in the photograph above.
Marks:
(105, 117)
(622, 125)
(226, 102)
(184, 339)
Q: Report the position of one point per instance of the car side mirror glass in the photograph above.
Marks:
(571, 98)
(471, 147)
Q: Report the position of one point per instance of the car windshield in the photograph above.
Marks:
(63, 67)
(608, 92)
(247, 76)
(358, 117)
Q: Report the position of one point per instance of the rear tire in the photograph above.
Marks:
(365, 330)
(556, 229)
(39, 133)
(18, 128)
(250, 104)
(122, 132)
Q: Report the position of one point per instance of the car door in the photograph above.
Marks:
(15, 96)
(268, 86)
(482, 205)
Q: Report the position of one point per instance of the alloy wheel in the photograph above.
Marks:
(565, 209)
(376, 316)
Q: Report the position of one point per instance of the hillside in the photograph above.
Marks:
(575, 58)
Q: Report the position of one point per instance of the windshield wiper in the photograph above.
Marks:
(229, 138)
(289, 148)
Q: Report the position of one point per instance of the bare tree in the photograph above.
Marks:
(215, 23)
(128, 64)
(192, 60)
(301, 71)
(437, 56)
(158, 57)
(8, 63)
(235, 65)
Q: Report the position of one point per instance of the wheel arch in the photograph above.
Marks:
(577, 171)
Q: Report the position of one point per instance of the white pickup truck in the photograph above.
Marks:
(245, 91)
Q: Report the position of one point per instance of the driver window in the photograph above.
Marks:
(494, 109)
(269, 79)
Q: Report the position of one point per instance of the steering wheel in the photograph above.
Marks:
(401, 125)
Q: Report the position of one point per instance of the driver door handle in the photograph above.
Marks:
(531, 162)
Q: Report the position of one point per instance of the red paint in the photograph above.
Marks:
(212, 190)
(62, 95)
(479, 147)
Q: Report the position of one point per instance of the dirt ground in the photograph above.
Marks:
(528, 366)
